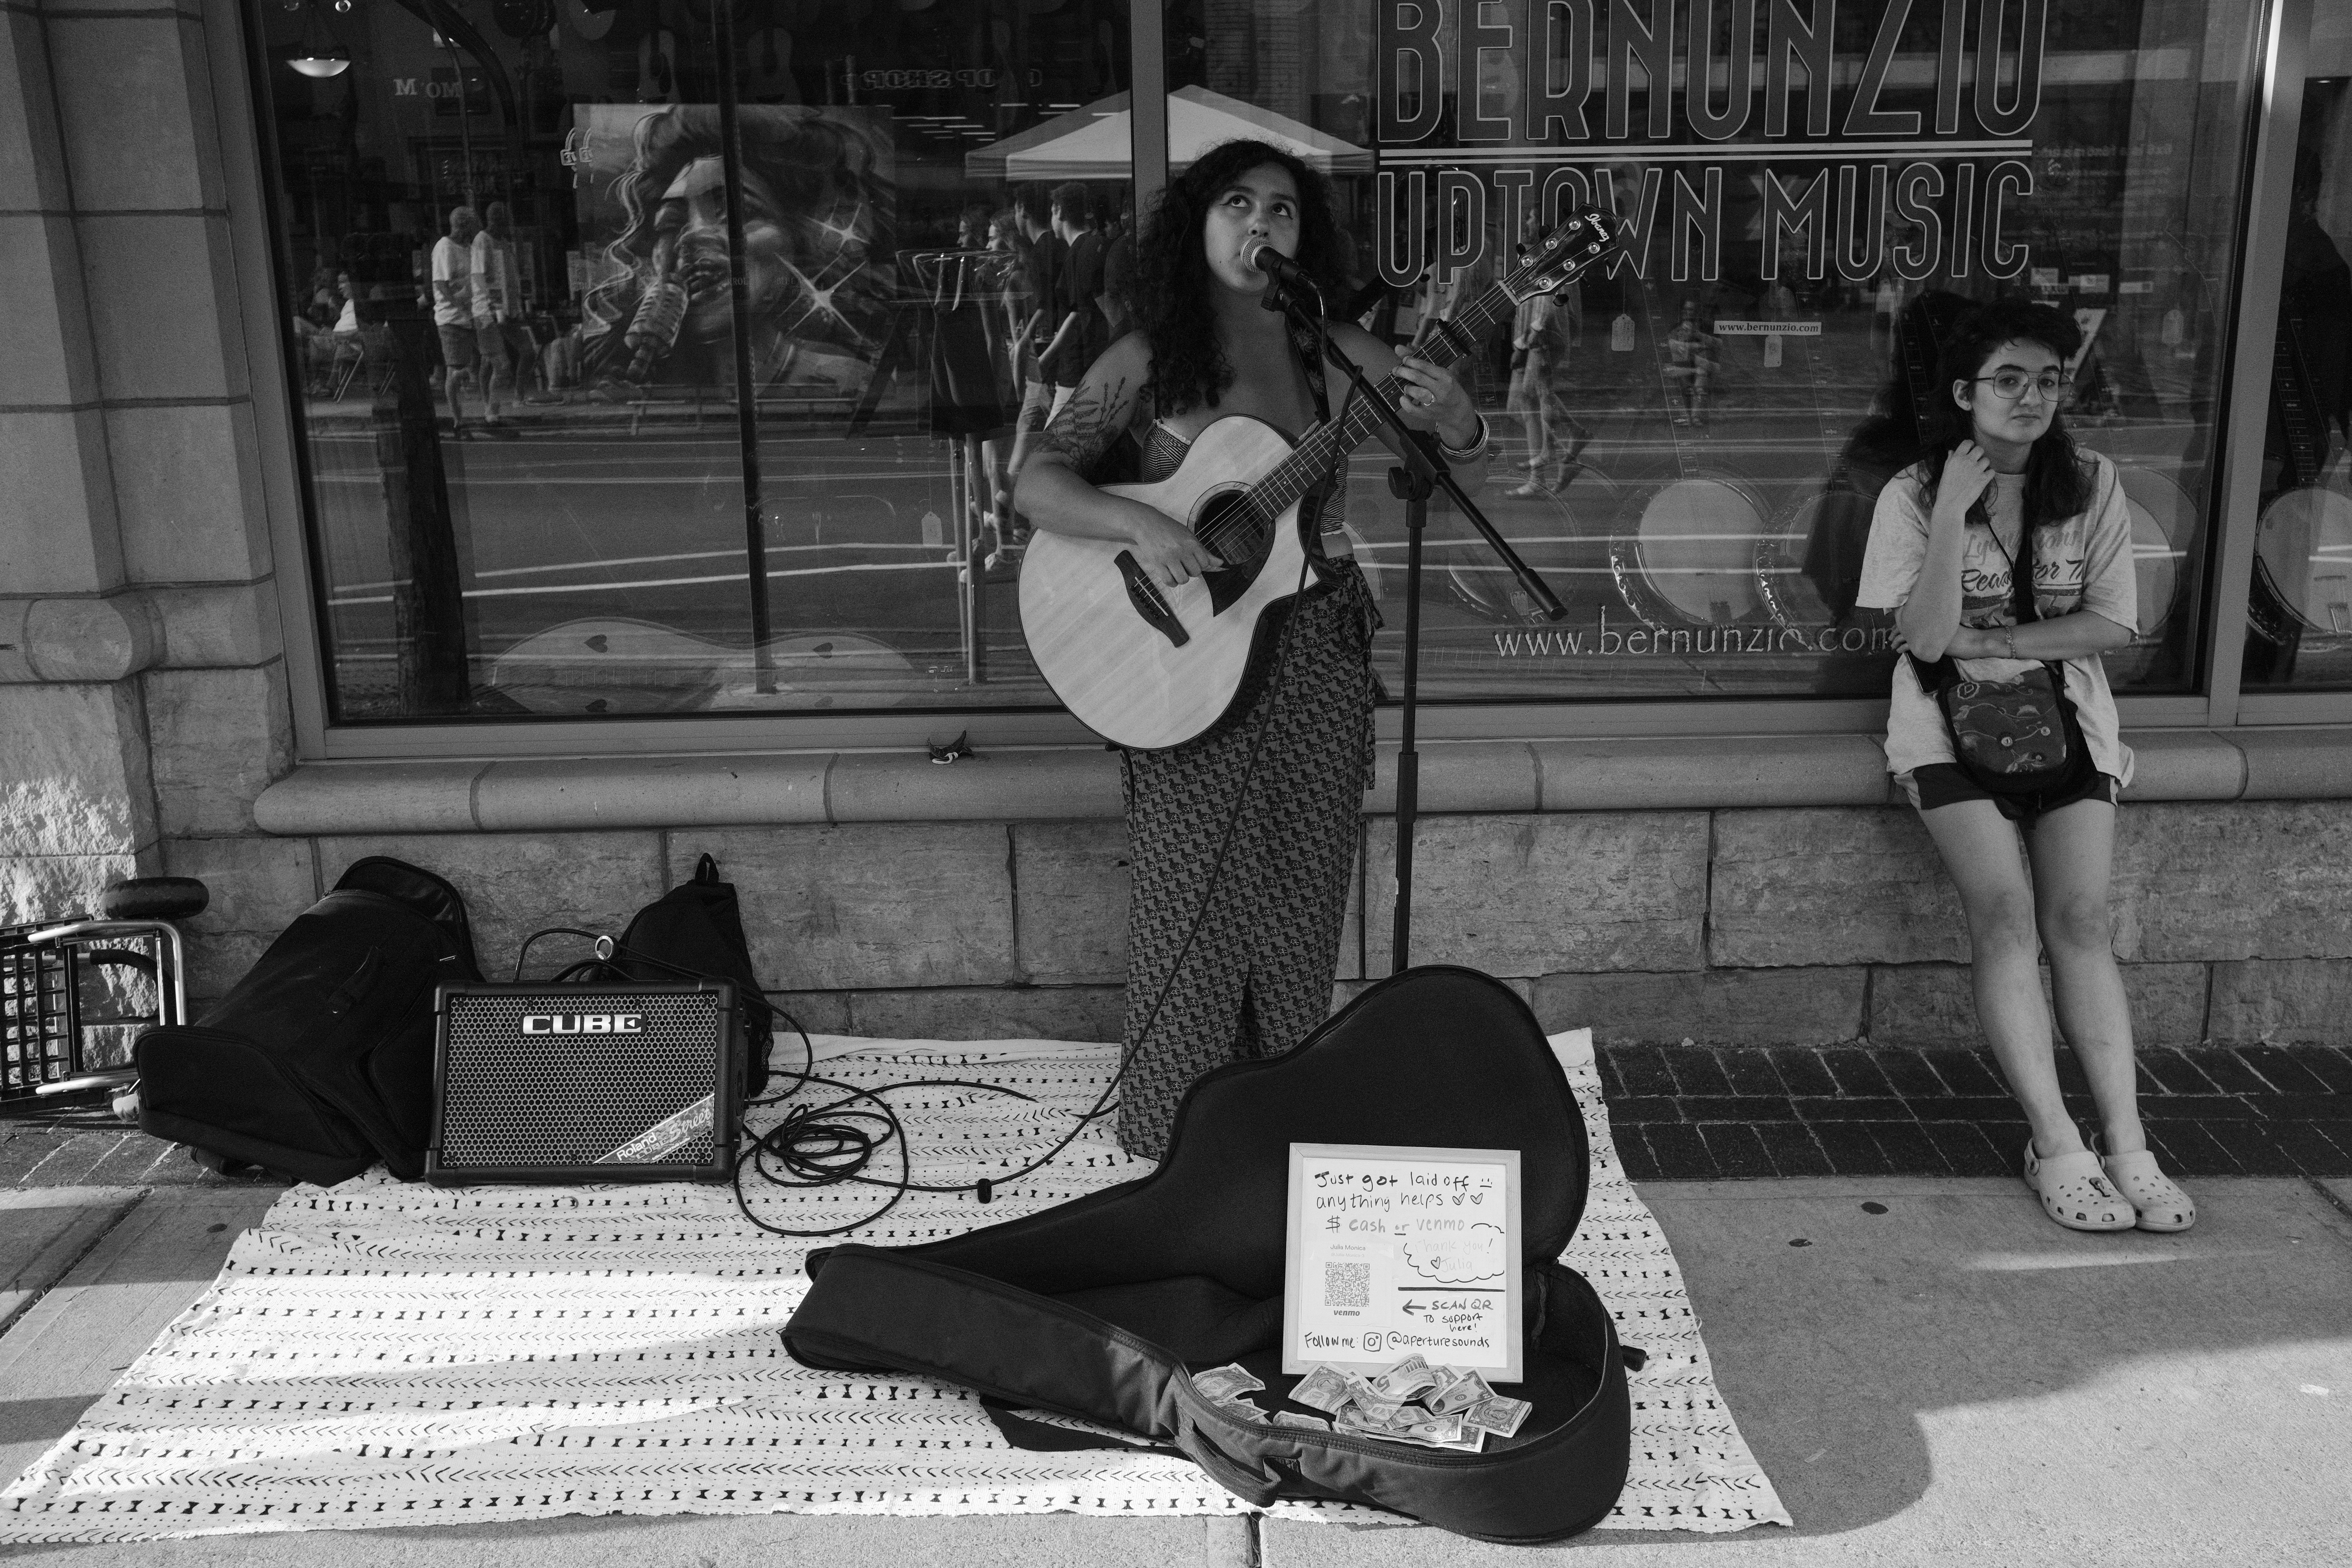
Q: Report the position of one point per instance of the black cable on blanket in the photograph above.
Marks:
(824, 1145)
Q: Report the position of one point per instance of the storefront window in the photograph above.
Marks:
(1808, 193)
(536, 253)
(545, 494)
(2299, 612)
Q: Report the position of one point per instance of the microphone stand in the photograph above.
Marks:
(1419, 474)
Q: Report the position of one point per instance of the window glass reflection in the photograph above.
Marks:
(1696, 433)
(2299, 614)
(615, 400)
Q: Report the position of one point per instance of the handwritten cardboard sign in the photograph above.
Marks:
(1394, 1250)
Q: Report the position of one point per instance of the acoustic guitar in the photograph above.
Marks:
(1145, 666)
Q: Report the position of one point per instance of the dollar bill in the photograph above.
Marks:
(1407, 1378)
(1308, 1422)
(1224, 1381)
(1438, 1431)
(1240, 1409)
(1499, 1415)
(1465, 1391)
(1415, 1429)
(1325, 1388)
(1380, 1412)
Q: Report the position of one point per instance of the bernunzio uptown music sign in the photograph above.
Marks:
(1822, 142)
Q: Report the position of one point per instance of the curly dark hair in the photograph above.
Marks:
(1168, 292)
(826, 171)
(2057, 479)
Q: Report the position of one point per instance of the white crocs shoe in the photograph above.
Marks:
(2075, 1190)
(2160, 1203)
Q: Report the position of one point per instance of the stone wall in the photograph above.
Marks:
(2234, 921)
(143, 694)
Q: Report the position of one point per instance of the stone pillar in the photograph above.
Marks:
(77, 802)
(143, 688)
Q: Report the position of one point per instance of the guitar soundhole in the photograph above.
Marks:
(1240, 539)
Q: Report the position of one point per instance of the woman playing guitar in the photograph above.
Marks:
(1243, 840)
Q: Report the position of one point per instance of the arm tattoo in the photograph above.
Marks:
(1096, 415)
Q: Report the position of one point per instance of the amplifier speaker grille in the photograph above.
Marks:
(570, 1096)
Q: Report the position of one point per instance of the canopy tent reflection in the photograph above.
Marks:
(1096, 141)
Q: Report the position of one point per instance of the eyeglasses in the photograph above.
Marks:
(2011, 385)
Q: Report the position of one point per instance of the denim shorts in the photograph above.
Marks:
(1944, 784)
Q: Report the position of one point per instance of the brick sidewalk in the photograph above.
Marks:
(1695, 1112)
(91, 1151)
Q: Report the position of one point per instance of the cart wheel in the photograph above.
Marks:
(155, 898)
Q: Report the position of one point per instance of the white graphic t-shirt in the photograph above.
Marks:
(2084, 562)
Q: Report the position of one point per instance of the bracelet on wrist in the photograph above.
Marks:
(1471, 453)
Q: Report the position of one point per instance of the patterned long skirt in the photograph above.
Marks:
(1258, 974)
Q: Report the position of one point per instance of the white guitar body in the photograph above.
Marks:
(1158, 673)
(1147, 666)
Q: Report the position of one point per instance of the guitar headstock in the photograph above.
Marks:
(1554, 260)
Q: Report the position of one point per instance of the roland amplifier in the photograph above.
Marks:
(585, 1083)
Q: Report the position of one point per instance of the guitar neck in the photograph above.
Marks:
(1444, 343)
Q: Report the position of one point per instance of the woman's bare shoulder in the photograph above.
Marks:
(1129, 355)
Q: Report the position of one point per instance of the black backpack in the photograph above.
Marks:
(695, 931)
(1101, 1307)
(319, 1062)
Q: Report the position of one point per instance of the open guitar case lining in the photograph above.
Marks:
(1102, 1307)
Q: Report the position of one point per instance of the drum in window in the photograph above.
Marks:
(2163, 524)
(1809, 562)
(1558, 532)
(2302, 567)
(1684, 553)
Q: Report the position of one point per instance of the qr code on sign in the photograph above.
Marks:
(1347, 1284)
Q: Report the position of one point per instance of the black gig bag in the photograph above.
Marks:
(695, 931)
(319, 1062)
(1100, 1308)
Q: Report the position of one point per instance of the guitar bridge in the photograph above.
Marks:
(1144, 594)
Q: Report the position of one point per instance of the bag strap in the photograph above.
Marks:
(1310, 350)
(2020, 575)
(706, 869)
(1935, 677)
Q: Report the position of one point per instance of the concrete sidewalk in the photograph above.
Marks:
(1928, 1369)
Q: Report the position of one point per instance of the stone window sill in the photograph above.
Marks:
(751, 789)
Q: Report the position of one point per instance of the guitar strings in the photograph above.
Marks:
(1290, 480)
(1263, 503)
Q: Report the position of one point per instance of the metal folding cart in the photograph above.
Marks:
(43, 1023)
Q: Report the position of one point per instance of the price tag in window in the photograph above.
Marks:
(1395, 1251)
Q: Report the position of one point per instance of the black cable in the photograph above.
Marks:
(550, 930)
(838, 1141)
(1208, 898)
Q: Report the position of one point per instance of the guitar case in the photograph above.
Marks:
(1102, 1307)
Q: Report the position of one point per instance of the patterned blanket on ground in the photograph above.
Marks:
(384, 1353)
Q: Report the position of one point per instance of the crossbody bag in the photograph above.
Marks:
(2013, 737)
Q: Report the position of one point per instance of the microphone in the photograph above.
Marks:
(1263, 257)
